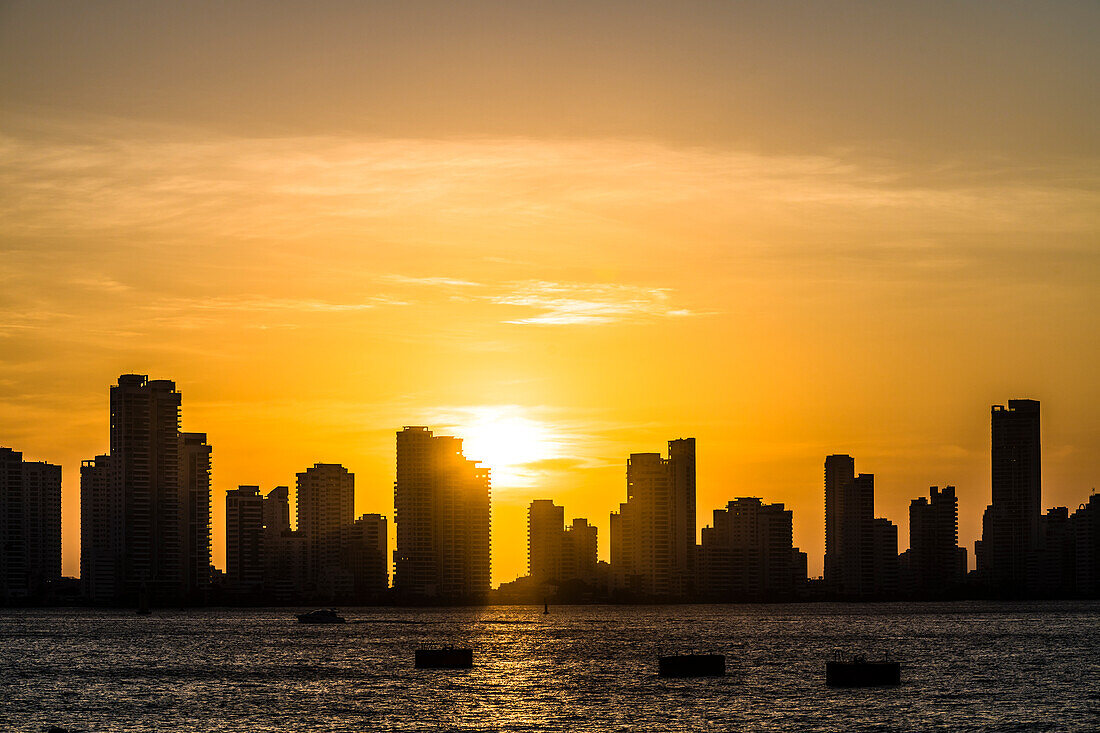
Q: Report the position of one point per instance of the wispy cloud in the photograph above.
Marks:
(559, 304)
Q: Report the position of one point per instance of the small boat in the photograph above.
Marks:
(448, 657)
(321, 616)
(858, 672)
(692, 665)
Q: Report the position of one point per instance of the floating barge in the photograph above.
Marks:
(858, 672)
(692, 665)
(448, 657)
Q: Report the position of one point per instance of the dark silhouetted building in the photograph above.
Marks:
(545, 538)
(326, 504)
(277, 509)
(100, 531)
(558, 553)
(579, 550)
(936, 563)
(244, 539)
(30, 526)
(858, 562)
(653, 535)
(134, 519)
(749, 554)
(195, 512)
(1085, 533)
(441, 507)
(1010, 527)
(365, 557)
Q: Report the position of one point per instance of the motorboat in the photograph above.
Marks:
(321, 616)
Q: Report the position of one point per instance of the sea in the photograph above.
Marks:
(966, 666)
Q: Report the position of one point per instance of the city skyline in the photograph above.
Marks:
(138, 396)
(563, 234)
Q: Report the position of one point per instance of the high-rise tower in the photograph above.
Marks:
(441, 505)
(326, 503)
(1010, 529)
(653, 537)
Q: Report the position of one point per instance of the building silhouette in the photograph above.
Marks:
(441, 508)
(580, 549)
(861, 552)
(545, 541)
(195, 512)
(30, 526)
(558, 553)
(1085, 535)
(1010, 525)
(935, 562)
(100, 531)
(244, 539)
(326, 504)
(364, 554)
(145, 506)
(285, 551)
(749, 554)
(653, 534)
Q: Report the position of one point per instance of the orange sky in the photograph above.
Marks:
(564, 231)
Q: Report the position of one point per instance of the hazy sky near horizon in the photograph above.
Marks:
(565, 231)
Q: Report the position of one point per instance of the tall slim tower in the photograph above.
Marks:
(244, 538)
(195, 511)
(1011, 528)
(653, 539)
(30, 525)
(840, 470)
(326, 503)
(441, 506)
(545, 535)
(100, 531)
(145, 478)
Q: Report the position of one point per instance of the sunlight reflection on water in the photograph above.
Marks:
(966, 666)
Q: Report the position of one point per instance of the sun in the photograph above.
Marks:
(506, 440)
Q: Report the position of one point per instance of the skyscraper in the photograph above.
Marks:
(936, 562)
(655, 546)
(195, 511)
(244, 539)
(364, 557)
(100, 531)
(441, 507)
(145, 479)
(858, 558)
(545, 537)
(42, 520)
(30, 525)
(285, 551)
(749, 554)
(579, 552)
(143, 520)
(326, 503)
(1010, 529)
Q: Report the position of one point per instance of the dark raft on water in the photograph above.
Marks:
(858, 672)
(446, 658)
(692, 665)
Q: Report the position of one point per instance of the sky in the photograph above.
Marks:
(563, 231)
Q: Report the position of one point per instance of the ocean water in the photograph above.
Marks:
(965, 666)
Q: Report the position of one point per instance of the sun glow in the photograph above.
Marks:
(506, 440)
